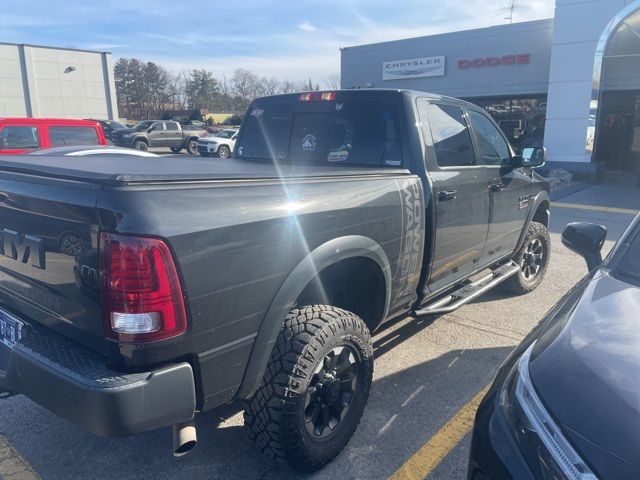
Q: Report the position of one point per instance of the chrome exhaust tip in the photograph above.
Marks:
(184, 438)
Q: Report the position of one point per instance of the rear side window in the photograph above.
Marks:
(451, 137)
(61, 136)
(19, 137)
(347, 132)
(172, 127)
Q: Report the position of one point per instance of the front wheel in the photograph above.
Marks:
(533, 259)
(176, 149)
(141, 145)
(192, 147)
(315, 387)
(224, 151)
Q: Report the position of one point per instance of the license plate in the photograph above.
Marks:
(10, 329)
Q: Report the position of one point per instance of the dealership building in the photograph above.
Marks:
(37, 81)
(571, 83)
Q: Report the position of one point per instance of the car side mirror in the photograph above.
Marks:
(531, 157)
(586, 239)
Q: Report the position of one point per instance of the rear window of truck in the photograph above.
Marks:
(356, 132)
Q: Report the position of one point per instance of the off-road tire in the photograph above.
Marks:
(191, 147)
(224, 151)
(275, 416)
(519, 284)
(176, 149)
(141, 145)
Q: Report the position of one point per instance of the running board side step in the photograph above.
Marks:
(473, 290)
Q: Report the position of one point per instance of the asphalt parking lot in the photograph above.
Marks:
(426, 370)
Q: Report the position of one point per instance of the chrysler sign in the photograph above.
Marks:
(413, 68)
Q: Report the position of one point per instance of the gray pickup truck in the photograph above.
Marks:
(259, 279)
(159, 133)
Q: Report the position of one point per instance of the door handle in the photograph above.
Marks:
(447, 195)
(496, 187)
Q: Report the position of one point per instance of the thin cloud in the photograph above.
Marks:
(307, 27)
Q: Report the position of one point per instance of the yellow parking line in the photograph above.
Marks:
(598, 208)
(12, 465)
(425, 460)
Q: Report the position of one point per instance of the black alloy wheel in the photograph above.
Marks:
(331, 391)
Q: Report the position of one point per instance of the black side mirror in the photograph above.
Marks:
(587, 240)
(531, 157)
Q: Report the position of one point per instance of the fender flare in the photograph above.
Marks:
(329, 253)
(537, 201)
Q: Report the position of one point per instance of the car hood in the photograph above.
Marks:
(123, 130)
(586, 369)
(211, 139)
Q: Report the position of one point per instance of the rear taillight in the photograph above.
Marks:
(140, 289)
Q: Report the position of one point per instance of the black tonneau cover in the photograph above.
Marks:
(126, 169)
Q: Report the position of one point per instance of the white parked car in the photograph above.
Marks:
(220, 144)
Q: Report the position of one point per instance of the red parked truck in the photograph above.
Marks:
(22, 135)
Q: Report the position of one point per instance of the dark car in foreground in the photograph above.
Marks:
(109, 126)
(566, 403)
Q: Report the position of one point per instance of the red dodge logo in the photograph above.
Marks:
(495, 61)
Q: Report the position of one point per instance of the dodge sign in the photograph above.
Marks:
(413, 68)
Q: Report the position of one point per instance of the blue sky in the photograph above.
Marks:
(289, 39)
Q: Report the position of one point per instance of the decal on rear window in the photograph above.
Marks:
(309, 143)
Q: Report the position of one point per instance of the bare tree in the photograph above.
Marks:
(333, 81)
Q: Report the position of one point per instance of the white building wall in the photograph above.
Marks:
(578, 27)
(12, 101)
(54, 82)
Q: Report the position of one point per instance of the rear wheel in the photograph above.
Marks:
(71, 244)
(533, 259)
(176, 149)
(315, 387)
(223, 151)
(141, 145)
(192, 147)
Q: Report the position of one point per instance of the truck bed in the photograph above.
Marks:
(123, 170)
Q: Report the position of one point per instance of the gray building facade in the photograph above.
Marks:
(467, 70)
(571, 83)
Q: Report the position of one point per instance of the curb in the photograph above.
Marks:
(568, 190)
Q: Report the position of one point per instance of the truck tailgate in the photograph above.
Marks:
(48, 254)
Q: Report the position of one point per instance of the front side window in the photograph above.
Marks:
(158, 127)
(61, 136)
(450, 133)
(19, 137)
(494, 150)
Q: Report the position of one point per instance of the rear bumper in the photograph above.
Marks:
(75, 383)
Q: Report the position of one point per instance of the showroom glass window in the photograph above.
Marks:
(19, 137)
(61, 136)
(492, 145)
(450, 133)
(521, 119)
